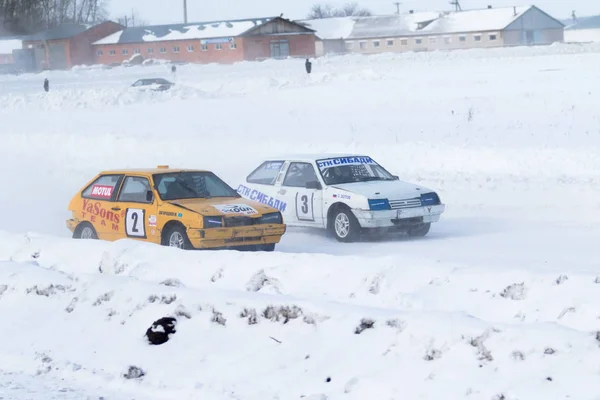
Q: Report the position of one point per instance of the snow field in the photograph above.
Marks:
(498, 302)
(448, 331)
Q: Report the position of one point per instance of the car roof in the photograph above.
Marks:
(311, 156)
(149, 171)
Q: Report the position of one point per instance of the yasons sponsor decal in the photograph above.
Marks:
(254, 194)
(102, 191)
(94, 212)
(236, 209)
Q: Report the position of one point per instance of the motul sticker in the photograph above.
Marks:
(236, 209)
(102, 191)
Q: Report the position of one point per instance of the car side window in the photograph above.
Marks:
(135, 189)
(266, 174)
(299, 174)
(103, 188)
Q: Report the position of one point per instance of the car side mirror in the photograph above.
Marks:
(314, 185)
(149, 196)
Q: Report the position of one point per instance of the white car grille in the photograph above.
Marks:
(408, 203)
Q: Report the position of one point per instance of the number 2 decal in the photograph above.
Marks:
(135, 222)
(304, 207)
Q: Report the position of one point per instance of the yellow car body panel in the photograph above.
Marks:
(115, 214)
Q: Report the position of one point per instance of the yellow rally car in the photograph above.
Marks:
(188, 209)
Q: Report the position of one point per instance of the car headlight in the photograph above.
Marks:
(379, 204)
(213, 222)
(271, 218)
(430, 199)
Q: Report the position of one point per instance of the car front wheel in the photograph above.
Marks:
(177, 237)
(344, 225)
(420, 231)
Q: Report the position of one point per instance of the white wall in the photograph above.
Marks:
(582, 35)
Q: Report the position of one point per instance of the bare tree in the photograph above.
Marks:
(319, 11)
(351, 10)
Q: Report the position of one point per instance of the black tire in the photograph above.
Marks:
(420, 231)
(177, 237)
(343, 217)
(85, 230)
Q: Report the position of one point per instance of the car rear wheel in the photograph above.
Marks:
(85, 230)
(420, 231)
(344, 225)
(177, 237)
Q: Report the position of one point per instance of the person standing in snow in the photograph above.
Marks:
(308, 66)
(46, 85)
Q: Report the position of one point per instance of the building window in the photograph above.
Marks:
(112, 52)
(363, 45)
(136, 51)
(432, 40)
(233, 46)
(447, 40)
(477, 38)
(162, 50)
(99, 53)
(219, 46)
(493, 37)
(390, 42)
(190, 49)
(175, 49)
(418, 41)
(376, 43)
(150, 50)
(204, 47)
(404, 42)
(462, 38)
(124, 52)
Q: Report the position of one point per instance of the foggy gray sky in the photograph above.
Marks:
(171, 11)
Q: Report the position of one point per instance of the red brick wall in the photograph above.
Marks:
(259, 47)
(80, 46)
(6, 59)
(211, 55)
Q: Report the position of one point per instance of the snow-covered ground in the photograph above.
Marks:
(500, 301)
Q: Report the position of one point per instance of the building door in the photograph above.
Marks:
(57, 56)
(280, 49)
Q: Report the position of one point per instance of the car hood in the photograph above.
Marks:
(223, 206)
(391, 190)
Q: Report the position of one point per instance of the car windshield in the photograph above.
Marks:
(191, 185)
(340, 170)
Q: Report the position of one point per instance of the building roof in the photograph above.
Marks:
(494, 19)
(8, 45)
(196, 30)
(412, 24)
(585, 23)
(65, 31)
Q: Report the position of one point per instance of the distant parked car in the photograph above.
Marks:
(154, 84)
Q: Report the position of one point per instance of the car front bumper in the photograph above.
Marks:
(399, 218)
(236, 237)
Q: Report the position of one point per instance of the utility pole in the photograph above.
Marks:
(456, 4)
(185, 19)
(397, 7)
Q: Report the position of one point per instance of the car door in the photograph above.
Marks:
(303, 193)
(139, 209)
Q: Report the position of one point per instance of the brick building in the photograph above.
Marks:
(67, 45)
(209, 42)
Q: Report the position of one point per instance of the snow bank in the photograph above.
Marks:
(284, 317)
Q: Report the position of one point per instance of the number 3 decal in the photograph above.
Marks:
(135, 222)
(304, 207)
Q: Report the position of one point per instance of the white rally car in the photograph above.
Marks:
(346, 194)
